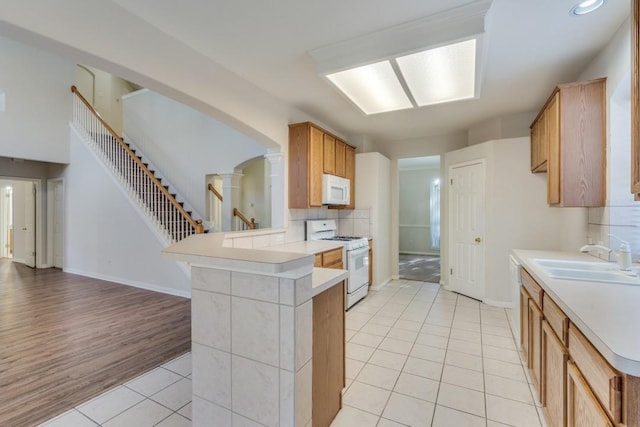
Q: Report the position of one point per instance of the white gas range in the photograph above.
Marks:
(356, 257)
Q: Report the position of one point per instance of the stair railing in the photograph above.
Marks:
(159, 202)
(214, 191)
(249, 223)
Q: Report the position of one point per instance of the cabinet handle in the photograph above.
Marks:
(478, 240)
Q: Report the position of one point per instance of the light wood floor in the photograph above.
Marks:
(66, 338)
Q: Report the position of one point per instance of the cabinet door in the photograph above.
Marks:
(583, 409)
(340, 158)
(552, 132)
(535, 345)
(316, 150)
(554, 377)
(350, 173)
(539, 144)
(328, 355)
(535, 136)
(524, 324)
(329, 158)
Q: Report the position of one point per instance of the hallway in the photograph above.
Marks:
(65, 338)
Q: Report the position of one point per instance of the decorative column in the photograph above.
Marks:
(230, 197)
(278, 200)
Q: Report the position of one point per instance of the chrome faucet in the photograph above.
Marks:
(623, 256)
(595, 248)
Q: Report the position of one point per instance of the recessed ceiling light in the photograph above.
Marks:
(586, 6)
(443, 74)
(374, 88)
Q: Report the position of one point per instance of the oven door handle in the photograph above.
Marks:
(359, 251)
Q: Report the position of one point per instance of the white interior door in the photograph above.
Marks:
(24, 219)
(466, 229)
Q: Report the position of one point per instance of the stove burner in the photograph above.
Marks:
(342, 238)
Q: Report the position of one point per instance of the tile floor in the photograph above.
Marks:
(417, 355)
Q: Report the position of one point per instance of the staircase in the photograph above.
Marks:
(152, 196)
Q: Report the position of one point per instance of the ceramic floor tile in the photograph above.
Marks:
(463, 360)
(175, 396)
(349, 417)
(408, 410)
(426, 352)
(180, 365)
(463, 377)
(435, 330)
(352, 367)
(465, 347)
(469, 326)
(348, 334)
(464, 335)
(423, 368)
(359, 352)
(175, 420)
(186, 410)
(355, 324)
(511, 412)
(447, 417)
(462, 399)
(396, 346)
(373, 329)
(71, 418)
(145, 414)
(402, 334)
(110, 404)
(369, 340)
(387, 359)
(491, 423)
(504, 369)
(432, 340)
(378, 376)
(379, 319)
(408, 325)
(366, 397)
(153, 381)
(502, 354)
(509, 389)
(418, 387)
(496, 330)
(496, 341)
(387, 423)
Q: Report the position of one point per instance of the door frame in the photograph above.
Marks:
(50, 259)
(449, 226)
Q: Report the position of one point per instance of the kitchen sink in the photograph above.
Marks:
(587, 271)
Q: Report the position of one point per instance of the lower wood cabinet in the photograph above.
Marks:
(329, 259)
(583, 409)
(328, 378)
(535, 345)
(554, 377)
(524, 324)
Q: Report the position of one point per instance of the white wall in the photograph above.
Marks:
(415, 214)
(517, 214)
(254, 201)
(183, 144)
(373, 191)
(37, 86)
(106, 236)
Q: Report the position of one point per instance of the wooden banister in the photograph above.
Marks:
(197, 225)
(251, 224)
(214, 191)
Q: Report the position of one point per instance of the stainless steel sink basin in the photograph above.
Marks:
(586, 271)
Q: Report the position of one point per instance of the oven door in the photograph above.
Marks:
(358, 267)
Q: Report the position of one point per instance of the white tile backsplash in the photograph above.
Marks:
(256, 390)
(211, 375)
(254, 286)
(304, 333)
(211, 319)
(208, 279)
(255, 329)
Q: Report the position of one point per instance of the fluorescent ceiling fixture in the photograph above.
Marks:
(374, 88)
(586, 6)
(443, 74)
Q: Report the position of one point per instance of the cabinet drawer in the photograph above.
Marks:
(583, 409)
(605, 382)
(535, 291)
(331, 257)
(558, 321)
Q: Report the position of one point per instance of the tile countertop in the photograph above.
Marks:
(607, 314)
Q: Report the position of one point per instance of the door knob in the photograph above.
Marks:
(478, 240)
(24, 228)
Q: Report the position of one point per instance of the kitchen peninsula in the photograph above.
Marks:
(267, 334)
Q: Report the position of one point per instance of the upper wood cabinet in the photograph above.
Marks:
(312, 152)
(568, 142)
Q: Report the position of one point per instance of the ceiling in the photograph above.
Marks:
(531, 46)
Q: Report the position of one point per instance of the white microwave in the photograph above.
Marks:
(335, 190)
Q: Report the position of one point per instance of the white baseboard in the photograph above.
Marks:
(420, 253)
(380, 285)
(135, 284)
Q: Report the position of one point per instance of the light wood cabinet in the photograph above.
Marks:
(554, 377)
(524, 323)
(329, 259)
(328, 370)
(568, 141)
(583, 409)
(535, 345)
(312, 152)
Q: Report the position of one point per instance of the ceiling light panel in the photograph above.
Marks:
(442, 74)
(374, 88)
